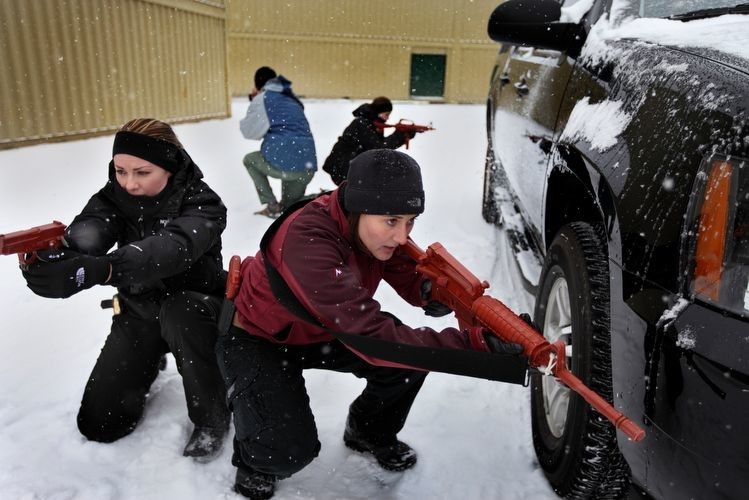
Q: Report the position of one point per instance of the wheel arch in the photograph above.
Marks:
(576, 191)
(568, 199)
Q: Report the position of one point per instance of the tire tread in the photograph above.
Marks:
(601, 471)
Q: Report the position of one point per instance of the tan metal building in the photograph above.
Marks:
(422, 49)
(78, 68)
(81, 67)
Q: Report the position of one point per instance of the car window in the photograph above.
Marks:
(668, 8)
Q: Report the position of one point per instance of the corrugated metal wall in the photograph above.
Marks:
(360, 49)
(82, 67)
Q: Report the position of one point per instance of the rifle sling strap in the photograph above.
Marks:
(492, 366)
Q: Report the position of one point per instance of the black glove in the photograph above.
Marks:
(405, 135)
(433, 308)
(527, 318)
(60, 273)
(498, 346)
(436, 309)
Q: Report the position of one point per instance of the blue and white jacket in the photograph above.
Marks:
(276, 115)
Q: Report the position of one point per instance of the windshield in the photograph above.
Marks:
(668, 8)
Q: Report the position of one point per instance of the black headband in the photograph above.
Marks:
(157, 151)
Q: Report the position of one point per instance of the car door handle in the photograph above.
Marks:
(521, 87)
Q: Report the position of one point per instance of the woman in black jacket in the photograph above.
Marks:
(168, 271)
(364, 133)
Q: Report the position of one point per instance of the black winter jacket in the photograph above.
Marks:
(361, 135)
(167, 243)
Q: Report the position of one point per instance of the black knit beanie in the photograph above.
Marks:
(262, 75)
(384, 182)
(381, 105)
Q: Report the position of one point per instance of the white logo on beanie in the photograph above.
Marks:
(414, 202)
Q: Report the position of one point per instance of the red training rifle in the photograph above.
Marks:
(28, 241)
(456, 287)
(405, 126)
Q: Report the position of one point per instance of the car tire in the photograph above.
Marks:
(575, 445)
(489, 207)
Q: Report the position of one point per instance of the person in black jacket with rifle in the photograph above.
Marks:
(168, 270)
(363, 134)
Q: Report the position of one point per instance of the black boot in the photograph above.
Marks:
(205, 443)
(254, 485)
(392, 455)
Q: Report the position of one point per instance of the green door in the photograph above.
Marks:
(428, 75)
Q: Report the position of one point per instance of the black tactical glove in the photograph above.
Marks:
(433, 308)
(405, 135)
(60, 273)
(482, 339)
(527, 318)
(498, 346)
(436, 309)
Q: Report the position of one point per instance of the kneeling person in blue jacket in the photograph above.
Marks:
(276, 116)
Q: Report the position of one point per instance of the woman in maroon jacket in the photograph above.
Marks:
(303, 297)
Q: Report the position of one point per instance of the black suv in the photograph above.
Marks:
(617, 165)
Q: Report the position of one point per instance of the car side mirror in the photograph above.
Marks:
(535, 24)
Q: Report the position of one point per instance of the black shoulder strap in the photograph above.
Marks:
(500, 367)
(278, 285)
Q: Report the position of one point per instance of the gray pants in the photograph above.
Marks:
(293, 184)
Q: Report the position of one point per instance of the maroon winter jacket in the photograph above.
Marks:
(314, 252)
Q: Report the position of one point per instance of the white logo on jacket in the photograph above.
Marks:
(338, 273)
(80, 277)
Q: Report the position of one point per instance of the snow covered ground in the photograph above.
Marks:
(472, 436)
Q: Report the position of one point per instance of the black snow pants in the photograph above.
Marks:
(275, 427)
(184, 323)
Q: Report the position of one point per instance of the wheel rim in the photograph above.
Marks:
(557, 326)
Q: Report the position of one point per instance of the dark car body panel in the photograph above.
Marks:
(685, 377)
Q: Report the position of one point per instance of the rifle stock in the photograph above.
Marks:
(456, 287)
(27, 242)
